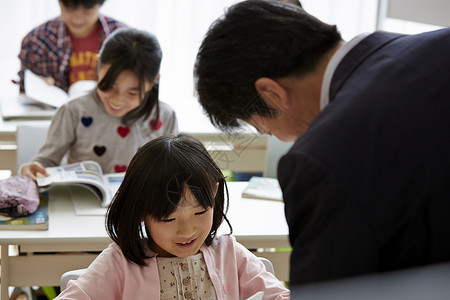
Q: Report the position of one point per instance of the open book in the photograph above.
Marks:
(263, 188)
(37, 89)
(87, 174)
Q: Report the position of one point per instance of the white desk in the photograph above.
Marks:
(256, 224)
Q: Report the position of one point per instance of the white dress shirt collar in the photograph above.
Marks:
(332, 65)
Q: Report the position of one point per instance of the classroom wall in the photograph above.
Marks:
(435, 12)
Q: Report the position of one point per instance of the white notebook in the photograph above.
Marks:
(23, 107)
(263, 188)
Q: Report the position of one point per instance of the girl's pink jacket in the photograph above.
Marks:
(236, 273)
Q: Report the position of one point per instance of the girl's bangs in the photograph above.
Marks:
(110, 77)
(167, 198)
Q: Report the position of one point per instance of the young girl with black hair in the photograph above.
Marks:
(109, 124)
(163, 221)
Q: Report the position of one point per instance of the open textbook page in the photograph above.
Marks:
(37, 89)
(87, 174)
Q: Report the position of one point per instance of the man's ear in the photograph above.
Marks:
(273, 93)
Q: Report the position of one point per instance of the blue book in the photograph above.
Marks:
(36, 221)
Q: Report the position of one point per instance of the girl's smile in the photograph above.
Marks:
(123, 96)
(186, 245)
(184, 231)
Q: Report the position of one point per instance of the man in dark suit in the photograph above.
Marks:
(367, 182)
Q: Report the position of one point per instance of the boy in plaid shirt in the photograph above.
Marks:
(64, 50)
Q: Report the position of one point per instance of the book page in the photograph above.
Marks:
(85, 172)
(90, 165)
(88, 174)
(83, 202)
(37, 89)
(81, 88)
(114, 180)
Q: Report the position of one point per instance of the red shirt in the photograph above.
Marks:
(83, 59)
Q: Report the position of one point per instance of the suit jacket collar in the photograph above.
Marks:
(356, 56)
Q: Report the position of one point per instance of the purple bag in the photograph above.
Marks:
(19, 196)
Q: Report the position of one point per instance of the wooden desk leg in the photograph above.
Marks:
(5, 272)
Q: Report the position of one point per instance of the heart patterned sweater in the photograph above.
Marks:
(83, 130)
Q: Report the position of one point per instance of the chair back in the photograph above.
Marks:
(69, 275)
(30, 138)
(268, 264)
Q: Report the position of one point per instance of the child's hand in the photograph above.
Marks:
(49, 80)
(33, 170)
